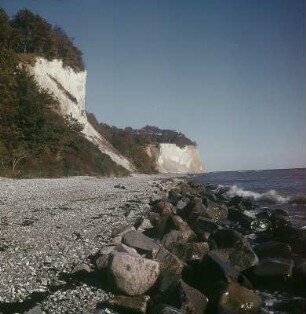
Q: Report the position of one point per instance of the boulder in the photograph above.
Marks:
(215, 211)
(144, 224)
(234, 248)
(160, 223)
(118, 233)
(188, 252)
(183, 297)
(132, 275)
(195, 208)
(237, 215)
(175, 236)
(177, 223)
(273, 249)
(103, 256)
(126, 249)
(163, 207)
(192, 300)
(169, 263)
(140, 242)
(136, 304)
(236, 299)
(273, 267)
(213, 269)
(203, 227)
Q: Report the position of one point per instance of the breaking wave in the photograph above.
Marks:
(270, 196)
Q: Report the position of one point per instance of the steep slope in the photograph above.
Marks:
(68, 87)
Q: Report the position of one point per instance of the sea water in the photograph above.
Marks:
(280, 188)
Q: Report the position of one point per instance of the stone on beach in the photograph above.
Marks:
(140, 242)
(132, 275)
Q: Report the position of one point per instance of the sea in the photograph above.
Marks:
(279, 188)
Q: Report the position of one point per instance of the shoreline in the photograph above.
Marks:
(50, 225)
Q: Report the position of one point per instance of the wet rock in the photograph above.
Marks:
(241, 203)
(295, 305)
(195, 208)
(193, 301)
(169, 263)
(272, 249)
(299, 278)
(274, 267)
(175, 236)
(237, 215)
(140, 242)
(239, 300)
(203, 227)
(215, 211)
(132, 275)
(131, 304)
(214, 269)
(184, 298)
(235, 246)
(188, 252)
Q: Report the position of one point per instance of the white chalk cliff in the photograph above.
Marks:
(68, 87)
(171, 158)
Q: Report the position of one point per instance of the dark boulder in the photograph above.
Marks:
(183, 297)
(189, 252)
(203, 227)
(236, 299)
(235, 247)
(215, 211)
(237, 215)
(169, 263)
(175, 236)
(273, 267)
(273, 249)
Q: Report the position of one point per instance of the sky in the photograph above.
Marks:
(230, 75)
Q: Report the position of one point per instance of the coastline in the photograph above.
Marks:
(50, 225)
(55, 234)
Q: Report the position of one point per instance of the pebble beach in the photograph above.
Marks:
(50, 226)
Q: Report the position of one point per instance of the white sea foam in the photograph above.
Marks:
(269, 196)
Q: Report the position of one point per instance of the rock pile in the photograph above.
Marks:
(200, 252)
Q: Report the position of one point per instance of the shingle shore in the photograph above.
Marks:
(47, 226)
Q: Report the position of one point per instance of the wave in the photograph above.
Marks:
(270, 196)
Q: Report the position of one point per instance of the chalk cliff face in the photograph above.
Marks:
(171, 158)
(68, 87)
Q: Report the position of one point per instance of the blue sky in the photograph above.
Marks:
(228, 74)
